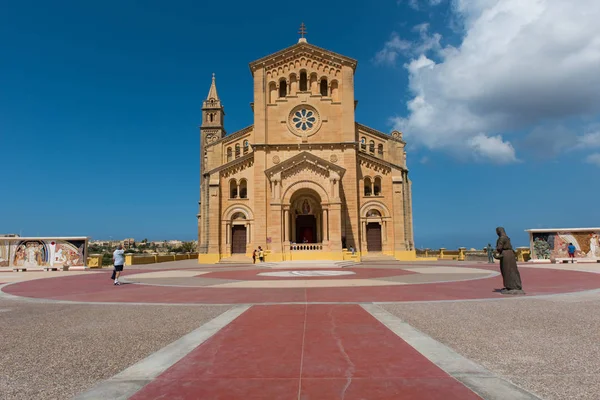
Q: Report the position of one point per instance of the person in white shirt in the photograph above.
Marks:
(119, 260)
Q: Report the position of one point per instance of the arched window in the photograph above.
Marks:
(233, 193)
(238, 215)
(243, 189)
(282, 88)
(373, 213)
(212, 116)
(229, 154)
(324, 87)
(377, 186)
(335, 92)
(303, 81)
(372, 146)
(237, 150)
(246, 147)
(272, 92)
(380, 149)
(363, 143)
(367, 186)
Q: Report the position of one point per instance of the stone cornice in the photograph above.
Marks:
(303, 146)
(303, 48)
(302, 158)
(380, 162)
(233, 136)
(361, 127)
(231, 164)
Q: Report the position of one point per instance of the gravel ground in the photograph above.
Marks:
(550, 346)
(54, 351)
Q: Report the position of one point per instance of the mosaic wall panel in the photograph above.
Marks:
(42, 253)
(547, 245)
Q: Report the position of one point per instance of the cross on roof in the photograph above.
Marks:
(302, 30)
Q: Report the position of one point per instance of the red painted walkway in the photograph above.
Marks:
(97, 287)
(303, 352)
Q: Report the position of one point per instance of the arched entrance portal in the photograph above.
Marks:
(373, 236)
(306, 217)
(238, 239)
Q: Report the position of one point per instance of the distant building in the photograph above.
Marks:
(128, 243)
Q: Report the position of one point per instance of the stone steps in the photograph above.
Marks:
(376, 257)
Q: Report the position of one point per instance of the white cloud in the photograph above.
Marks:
(493, 149)
(521, 65)
(593, 159)
(397, 46)
(588, 140)
(391, 49)
(419, 4)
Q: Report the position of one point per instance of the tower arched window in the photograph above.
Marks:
(377, 187)
(229, 154)
(243, 189)
(282, 89)
(212, 116)
(303, 81)
(246, 147)
(367, 186)
(233, 189)
(323, 87)
(380, 149)
(363, 143)
(237, 150)
(372, 146)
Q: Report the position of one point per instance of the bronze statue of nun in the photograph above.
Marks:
(508, 264)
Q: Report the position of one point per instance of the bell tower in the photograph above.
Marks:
(213, 116)
(211, 130)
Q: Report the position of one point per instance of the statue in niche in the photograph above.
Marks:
(508, 264)
(305, 207)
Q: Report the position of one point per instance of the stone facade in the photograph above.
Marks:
(305, 181)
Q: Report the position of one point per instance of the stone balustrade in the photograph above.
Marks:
(306, 247)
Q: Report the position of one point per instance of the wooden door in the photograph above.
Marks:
(238, 239)
(373, 236)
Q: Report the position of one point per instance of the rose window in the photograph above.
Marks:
(304, 120)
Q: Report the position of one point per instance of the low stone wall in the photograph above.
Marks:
(523, 254)
(139, 259)
(94, 261)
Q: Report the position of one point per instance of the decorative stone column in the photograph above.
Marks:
(461, 253)
(286, 225)
(325, 226)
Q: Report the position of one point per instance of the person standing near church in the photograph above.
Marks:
(261, 254)
(118, 261)
(490, 253)
(571, 249)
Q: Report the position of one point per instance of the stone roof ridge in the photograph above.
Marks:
(308, 48)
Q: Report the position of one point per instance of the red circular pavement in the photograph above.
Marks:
(95, 287)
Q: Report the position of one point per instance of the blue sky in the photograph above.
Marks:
(100, 103)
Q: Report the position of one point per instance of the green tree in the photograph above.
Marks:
(188, 247)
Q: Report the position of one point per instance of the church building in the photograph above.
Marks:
(305, 181)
